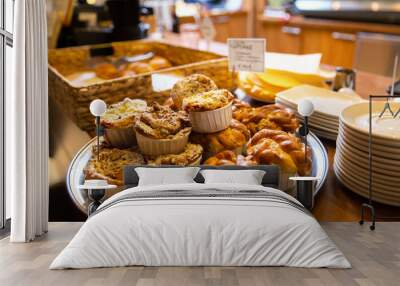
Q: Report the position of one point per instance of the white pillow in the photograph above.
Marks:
(166, 176)
(248, 177)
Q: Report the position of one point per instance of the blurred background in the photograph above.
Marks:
(334, 28)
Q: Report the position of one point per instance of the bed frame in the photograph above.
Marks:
(271, 177)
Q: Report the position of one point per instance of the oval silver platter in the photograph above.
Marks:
(75, 175)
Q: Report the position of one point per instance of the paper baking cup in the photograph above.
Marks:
(120, 137)
(211, 121)
(156, 147)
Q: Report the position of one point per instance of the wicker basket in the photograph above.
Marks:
(75, 100)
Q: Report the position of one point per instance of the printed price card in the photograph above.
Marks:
(246, 54)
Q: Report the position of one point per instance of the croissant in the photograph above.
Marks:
(287, 143)
(107, 71)
(234, 137)
(268, 152)
(226, 157)
(271, 116)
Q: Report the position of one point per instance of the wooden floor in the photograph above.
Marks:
(375, 257)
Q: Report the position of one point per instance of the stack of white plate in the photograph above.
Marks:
(351, 158)
(327, 104)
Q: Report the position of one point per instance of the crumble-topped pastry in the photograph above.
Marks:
(189, 156)
(123, 114)
(210, 100)
(191, 85)
(111, 164)
(161, 122)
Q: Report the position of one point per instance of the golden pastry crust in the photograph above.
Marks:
(110, 71)
(191, 85)
(158, 63)
(253, 86)
(107, 71)
(123, 114)
(271, 116)
(206, 101)
(223, 158)
(111, 164)
(161, 122)
(232, 138)
(139, 67)
(189, 156)
(270, 145)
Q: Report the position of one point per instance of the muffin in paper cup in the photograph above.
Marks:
(211, 121)
(191, 85)
(118, 122)
(154, 147)
(209, 111)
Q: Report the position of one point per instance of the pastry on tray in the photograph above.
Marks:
(271, 116)
(206, 101)
(107, 71)
(111, 164)
(280, 148)
(189, 157)
(191, 85)
(223, 158)
(232, 138)
(158, 63)
(161, 130)
(139, 67)
(118, 122)
(111, 71)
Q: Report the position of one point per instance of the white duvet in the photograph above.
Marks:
(190, 231)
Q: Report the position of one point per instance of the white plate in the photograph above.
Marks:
(325, 101)
(362, 189)
(359, 153)
(377, 149)
(378, 188)
(316, 112)
(312, 120)
(347, 151)
(362, 172)
(327, 135)
(315, 117)
(378, 143)
(357, 117)
(364, 136)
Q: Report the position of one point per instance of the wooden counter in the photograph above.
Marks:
(335, 39)
(349, 26)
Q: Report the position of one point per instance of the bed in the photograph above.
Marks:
(201, 224)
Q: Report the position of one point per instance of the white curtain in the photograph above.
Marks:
(27, 124)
